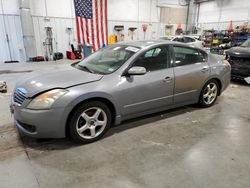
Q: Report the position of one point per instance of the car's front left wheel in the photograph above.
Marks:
(89, 122)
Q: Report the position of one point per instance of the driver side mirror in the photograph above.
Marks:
(137, 71)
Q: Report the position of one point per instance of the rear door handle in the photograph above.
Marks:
(167, 79)
(205, 69)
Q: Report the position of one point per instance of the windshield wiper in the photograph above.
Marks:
(86, 68)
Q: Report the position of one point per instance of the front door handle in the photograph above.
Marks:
(205, 69)
(167, 79)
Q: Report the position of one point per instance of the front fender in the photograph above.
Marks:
(92, 95)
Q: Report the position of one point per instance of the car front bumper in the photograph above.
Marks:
(240, 68)
(238, 77)
(40, 123)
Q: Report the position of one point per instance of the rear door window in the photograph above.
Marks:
(188, 56)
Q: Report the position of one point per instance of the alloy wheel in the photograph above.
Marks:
(210, 93)
(91, 123)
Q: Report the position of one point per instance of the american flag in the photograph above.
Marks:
(92, 22)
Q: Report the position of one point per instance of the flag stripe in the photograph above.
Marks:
(103, 21)
(78, 31)
(87, 29)
(106, 21)
(82, 31)
(89, 32)
(101, 10)
(93, 35)
(94, 29)
(97, 24)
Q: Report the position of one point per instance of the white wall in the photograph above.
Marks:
(10, 7)
(10, 25)
(134, 13)
(130, 13)
(218, 14)
(61, 14)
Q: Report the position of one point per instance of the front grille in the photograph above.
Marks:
(240, 61)
(19, 96)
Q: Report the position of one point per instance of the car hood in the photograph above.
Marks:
(64, 78)
(239, 51)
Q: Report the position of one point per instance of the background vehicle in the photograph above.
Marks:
(106, 88)
(196, 36)
(239, 58)
(188, 39)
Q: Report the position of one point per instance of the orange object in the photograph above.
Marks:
(112, 39)
(231, 27)
(179, 26)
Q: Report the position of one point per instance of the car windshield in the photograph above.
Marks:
(246, 43)
(108, 60)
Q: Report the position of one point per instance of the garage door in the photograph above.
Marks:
(10, 30)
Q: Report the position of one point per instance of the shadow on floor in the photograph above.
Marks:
(240, 82)
(13, 72)
(65, 143)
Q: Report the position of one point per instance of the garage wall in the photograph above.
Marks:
(10, 28)
(134, 13)
(217, 14)
(60, 14)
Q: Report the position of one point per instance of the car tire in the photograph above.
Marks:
(209, 93)
(89, 122)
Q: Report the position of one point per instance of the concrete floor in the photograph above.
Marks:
(185, 147)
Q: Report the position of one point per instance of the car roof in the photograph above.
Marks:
(179, 36)
(147, 43)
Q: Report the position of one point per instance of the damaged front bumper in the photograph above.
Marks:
(240, 68)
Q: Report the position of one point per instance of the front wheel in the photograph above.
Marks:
(209, 93)
(89, 122)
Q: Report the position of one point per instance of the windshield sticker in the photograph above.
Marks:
(131, 48)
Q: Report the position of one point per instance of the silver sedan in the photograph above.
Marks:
(188, 39)
(119, 82)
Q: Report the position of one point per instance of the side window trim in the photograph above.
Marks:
(204, 54)
(171, 56)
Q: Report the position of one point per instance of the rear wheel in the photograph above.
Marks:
(209, 93)
(90, 122)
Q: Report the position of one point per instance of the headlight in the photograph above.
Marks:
(45, 100)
